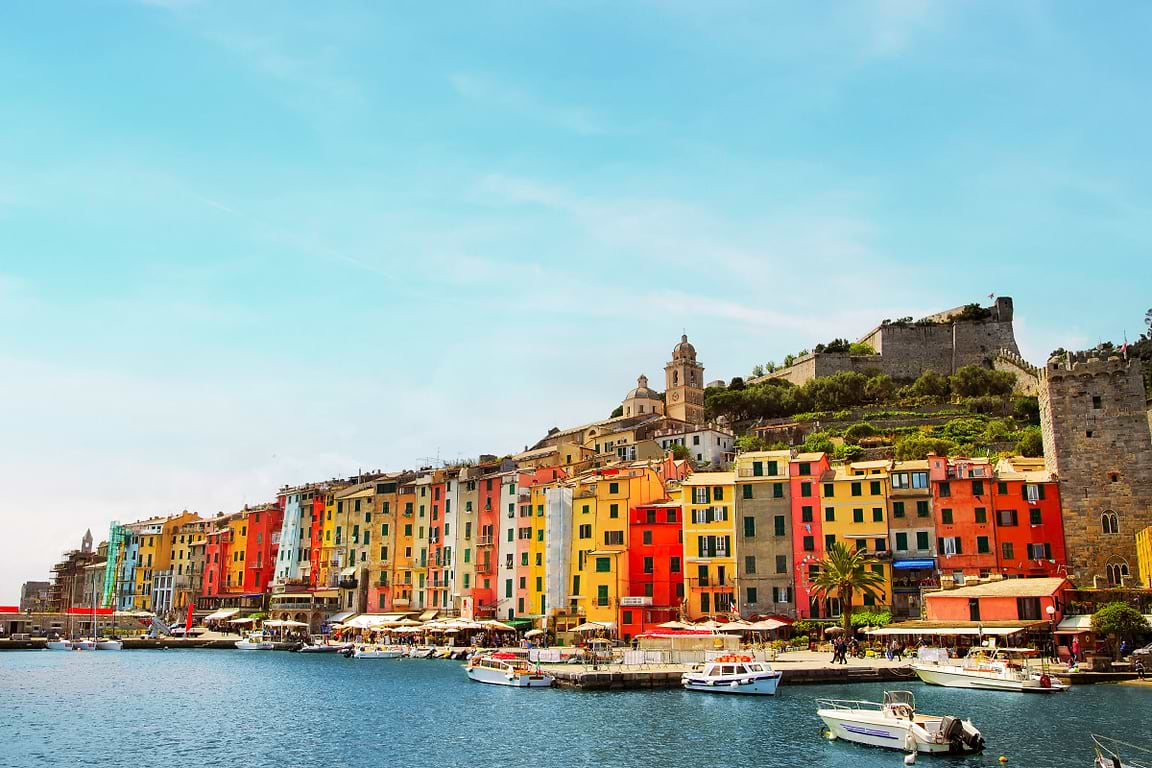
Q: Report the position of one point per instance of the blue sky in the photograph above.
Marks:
(245, 243)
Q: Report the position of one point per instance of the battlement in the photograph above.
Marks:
(1089, 363)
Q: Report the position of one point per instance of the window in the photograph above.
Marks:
(1033, 492)
(613, 510)
(945, 489)
(507, 587)
(674, 565)
(781, 594)
(857, 489)
(523, 558)
(981, 515)
(922, 508)
(874, 488)
(749, 527)
(1039, 551)
(804, 468)
(749, 564)
(922, 541)
(612, 538)
(603, 565)
(1028, 608)
(881, 545)
(805, 514)
(829, 540)
(1006, 550)
(1002, 488)
(809, 543)
(646, 538)
(718, 494)
(977, 487)
(779, 525)
(700, 495)
(747, 490)
(946, 516)
(1006, 517)
(829, 514)
(982, 545)
(806, 489)
(919, 479)
(648, 565)
(773, 468)
(829, 490)
(1097, 404)
(900, 480)
(857, 515)
(586, 531)
(950, 545)
(777, 490)
(602, 595)
(901, 541)
(757, 468)
(750, 594)
(897, 509)
(1109, 522)
(613, 487)
(877, 514)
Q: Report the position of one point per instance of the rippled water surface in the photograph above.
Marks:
(250, 710)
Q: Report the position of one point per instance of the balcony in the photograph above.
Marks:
(484, 541)
(484, 568)
(348, 582)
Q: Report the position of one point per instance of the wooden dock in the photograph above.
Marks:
(618, 677)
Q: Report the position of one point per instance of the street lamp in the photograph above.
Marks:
(1051, 611)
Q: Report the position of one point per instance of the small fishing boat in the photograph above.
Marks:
(254, 641)
(1113, 753)
(993, 669)
(424, 652)
(108, 644)
(895, 724)
(504, 668)
(376, 652)
(733, 674)
(59, 645)
(320, 644)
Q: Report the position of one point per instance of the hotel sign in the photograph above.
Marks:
(640, 600)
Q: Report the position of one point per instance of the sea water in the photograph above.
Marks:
(238, 709)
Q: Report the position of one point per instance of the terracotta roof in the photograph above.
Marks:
(1005, 588)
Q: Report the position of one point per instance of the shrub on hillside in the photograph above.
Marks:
(914, 447)
(1031, 443)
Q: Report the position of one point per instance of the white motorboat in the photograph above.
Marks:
(319, 644)
(1113, 753)
(993, 669)
(109, 645)
(733, 674)
(377, 652)
(895, 724)
(59, 645)
(255, 641)
(83, 645)
(507, 669)
(423, 652)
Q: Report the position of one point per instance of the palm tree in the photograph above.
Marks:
(843, 573)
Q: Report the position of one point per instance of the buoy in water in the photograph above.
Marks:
(1003, 759)
(910, 758)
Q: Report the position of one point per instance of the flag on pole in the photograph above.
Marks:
(1124, 349)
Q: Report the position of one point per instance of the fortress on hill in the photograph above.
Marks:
(904, 349)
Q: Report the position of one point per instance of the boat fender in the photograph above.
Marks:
(910, 743)
(1045, 681)
(734, 684)
(910, 758)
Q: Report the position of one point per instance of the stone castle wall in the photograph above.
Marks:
(1101, 452)
(1027, 375)
(906, 351)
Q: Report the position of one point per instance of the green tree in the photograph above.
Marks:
(975, 381)
(858, 431)
(749, 443)
(843, 573)
(819, 442)
(1031, 443)
(757, 371)
(860, 348)
(1026, 410)
(617, 411)
(931, 384)
(917, 446)
(680, 452)
(1119, 621)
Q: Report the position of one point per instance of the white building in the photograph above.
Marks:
(707, 447)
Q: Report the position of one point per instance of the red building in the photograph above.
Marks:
(963, 508)
(263, 544)
(1029, 527)
(1009, 600)
(805, 473)
(655, 586)
(437, 571)
(493, 495)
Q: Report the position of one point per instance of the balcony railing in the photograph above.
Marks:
(484, 541)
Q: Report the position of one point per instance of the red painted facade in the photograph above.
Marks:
(655, 569)
(963, 510)
(491, 500)
(1029, 529)
(807, 537)
(262, 546)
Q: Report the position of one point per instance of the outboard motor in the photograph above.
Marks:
(961, 735)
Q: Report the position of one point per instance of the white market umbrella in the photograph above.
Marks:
(534, 633)
(676, 625)
(590, 626)
(497, 625)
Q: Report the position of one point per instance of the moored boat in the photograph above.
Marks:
(734, 674)
(1113, 753)
(508, 669)
(254, 641)
(993, 669)
(59, 645)
(83, 645)
(108, 644)
(320, 645)
(895, 724)
(376, 652)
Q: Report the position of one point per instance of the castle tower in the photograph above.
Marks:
(684, 379)
(1097, 442)
(86, 542)
(642, 400)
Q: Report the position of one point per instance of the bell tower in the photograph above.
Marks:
(684, 384)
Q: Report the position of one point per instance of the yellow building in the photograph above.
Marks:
(402, 571)
(1144, 556)
(597, 552)
(709, 538)
(234, 570)
(856, 514)
(187, 562)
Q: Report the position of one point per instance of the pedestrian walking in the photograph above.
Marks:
(1076, 649)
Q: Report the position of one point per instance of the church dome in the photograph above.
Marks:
(642, 392)
(684, 350)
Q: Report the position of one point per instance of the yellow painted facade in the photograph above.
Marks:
(1144, 556)
(855, 513)
(234, 574)
(709, 541)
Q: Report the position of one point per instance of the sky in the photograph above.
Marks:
(249, 244)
